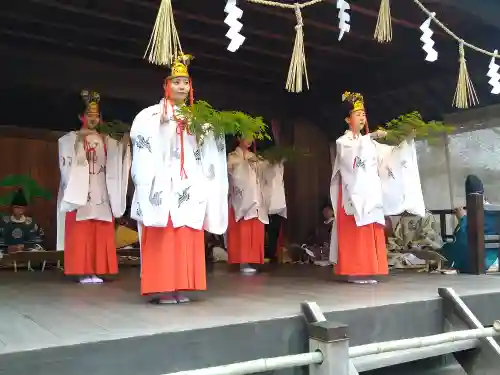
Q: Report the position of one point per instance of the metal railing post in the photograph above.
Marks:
(332, 341)
(329, 338)
(485, 360)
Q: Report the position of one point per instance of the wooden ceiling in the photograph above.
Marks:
(394, 76)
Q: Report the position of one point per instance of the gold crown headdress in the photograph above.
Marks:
(91, 99)
(180, 66)
(355, 100)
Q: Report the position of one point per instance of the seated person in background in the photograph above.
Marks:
(457, 252)
(324, 233)
(215, 248)
(415, 232)
(317, 246)
(328, 213)
(20, 232)
(414, 242)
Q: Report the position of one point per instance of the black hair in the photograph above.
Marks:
(347, 108)
(327, 204)
(473, 185)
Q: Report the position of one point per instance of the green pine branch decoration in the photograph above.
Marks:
(400, 129)
(115, 128)
(198, 116)
(279, 154)
(222, 122)
(31, 188)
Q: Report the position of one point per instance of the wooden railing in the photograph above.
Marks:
(443, 214)
(477, 239)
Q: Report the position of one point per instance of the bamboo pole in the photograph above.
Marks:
(259, 365)
(421, 342)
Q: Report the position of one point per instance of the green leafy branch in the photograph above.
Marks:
(402, 127)
(279, 154)
(115, 128)
(222, 122)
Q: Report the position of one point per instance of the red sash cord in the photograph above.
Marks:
(181, 126)
(91, 152)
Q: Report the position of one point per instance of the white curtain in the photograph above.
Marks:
(434, 176)
(444, 166)
(476, 152)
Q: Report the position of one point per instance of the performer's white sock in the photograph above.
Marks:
(247, 269)
(363, 281)
(97, 280)
(181, 299)
(167, 299)
(86, 280)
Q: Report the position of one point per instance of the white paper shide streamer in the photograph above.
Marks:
(426, 38)
(494, 75)
(344, 17)
(234, 13)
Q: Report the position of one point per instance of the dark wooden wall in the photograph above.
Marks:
(307, 179)
(33, 153)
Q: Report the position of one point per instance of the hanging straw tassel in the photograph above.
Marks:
(383, 30)
(164, 44)
(465, 94)
(298, 67)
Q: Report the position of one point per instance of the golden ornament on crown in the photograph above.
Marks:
(180, 66)
(91, 99)
(355, 99)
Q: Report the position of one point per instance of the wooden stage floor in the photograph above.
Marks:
(41, 310)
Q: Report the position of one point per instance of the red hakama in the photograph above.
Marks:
(172, 259)
(245, 240)
(361, 250)
(89, 247)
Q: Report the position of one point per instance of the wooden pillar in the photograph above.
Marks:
(475, 233)
(442, 223)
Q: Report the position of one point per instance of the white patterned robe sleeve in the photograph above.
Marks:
(146, 156)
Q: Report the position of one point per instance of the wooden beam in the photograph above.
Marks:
(396, 21)
(263, 34)
(141, 83)
(309, 22)
(486, 10)
(323, 26)
(426, 104)
(41, 38)
(201, 38)
(93, 32)
(438, 93)
(268, 35)
(475, 116)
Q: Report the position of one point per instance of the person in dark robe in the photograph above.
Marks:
(324, 232)
(273, 231)
(20, 232)
(457, 252)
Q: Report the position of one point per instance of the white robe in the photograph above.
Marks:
(377, 180)
(214, 163)
(398, 170)
(246, 194)
(256, 187)
(199, 200)
(100, 195)
(274, 189)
